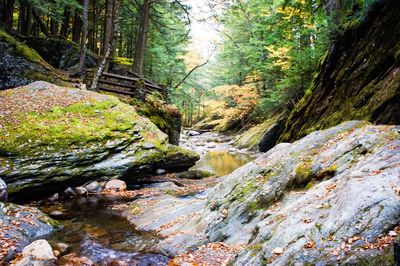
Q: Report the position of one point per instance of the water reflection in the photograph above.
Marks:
(222, 162)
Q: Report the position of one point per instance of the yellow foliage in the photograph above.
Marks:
(233, 102)
(281, 56)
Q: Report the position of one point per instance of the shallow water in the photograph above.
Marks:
(221, 162)
(99, 233)
(94, 230)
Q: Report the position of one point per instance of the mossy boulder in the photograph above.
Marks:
(263, 136)
(53, 136)
(359, 77)
(165, 116)
(60, 52)
(21, 65)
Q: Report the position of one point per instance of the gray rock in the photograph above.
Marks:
(192, 133)
(19, 225)
(345, 176)
(69, 192)
(160, 171)
(92, 186)
(55, 197)
(33, 168)
(58, 215)
(3, 191)
(39, 253)
(116, 185)
(211, 145)
(81, 191)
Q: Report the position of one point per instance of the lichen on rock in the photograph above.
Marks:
(52, 136)
(352, 168)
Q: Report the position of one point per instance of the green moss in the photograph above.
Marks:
(46, 219)
(327, 172)
(134, 209)
(22, 48)
(95, 121)
(123, 61)
(256, 248)
(304, 171)
(45, 76)
(384, 258)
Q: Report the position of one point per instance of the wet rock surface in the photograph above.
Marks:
(18, 226)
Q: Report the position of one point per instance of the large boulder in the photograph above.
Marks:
(18, 225)
(60, 52)
(21, 65)
(53, 136)
(329, 198)
(165, 116)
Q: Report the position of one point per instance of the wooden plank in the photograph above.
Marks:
(147, 84)
(109, 82)
(110, 75)
(147, 80)
(117, 91)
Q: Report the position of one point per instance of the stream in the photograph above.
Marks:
(92, 229)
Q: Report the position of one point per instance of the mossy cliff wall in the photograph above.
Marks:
(358, 79)
(20, 64)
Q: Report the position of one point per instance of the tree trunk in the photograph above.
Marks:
(26, 21)
(76, 29)
(84, 35)
(7, 12)
(53, 26)
(117, 4)
(40, 23)
(65, 22)
(141, 40)
(108, 21)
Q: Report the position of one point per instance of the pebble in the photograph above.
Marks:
(81, 191)
(116, 185)
(92, 186)
(38, 253)
(69, 192)
(160, 171)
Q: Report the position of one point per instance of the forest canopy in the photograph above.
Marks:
(272, 45)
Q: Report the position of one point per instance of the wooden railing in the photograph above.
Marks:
(133, 86)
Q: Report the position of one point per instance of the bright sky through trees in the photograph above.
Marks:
(204, 28)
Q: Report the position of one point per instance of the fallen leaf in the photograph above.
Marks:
(278, 251)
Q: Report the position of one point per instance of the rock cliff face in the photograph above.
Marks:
(53, 136)
(60, 53)
(21, 65)
(358, 79)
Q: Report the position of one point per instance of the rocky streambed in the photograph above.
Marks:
(331, 198)
(93, 226)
